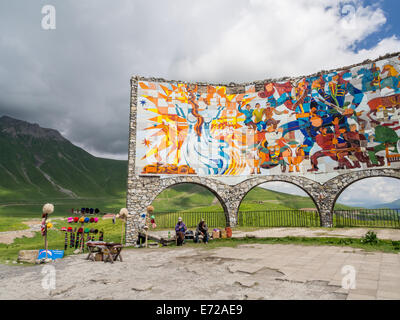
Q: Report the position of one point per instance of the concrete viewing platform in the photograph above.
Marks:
(251, 271)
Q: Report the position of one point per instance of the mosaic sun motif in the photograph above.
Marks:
(345, 120)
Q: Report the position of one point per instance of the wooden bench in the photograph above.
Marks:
(110, 251)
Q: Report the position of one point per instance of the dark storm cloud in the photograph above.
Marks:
(77, 78)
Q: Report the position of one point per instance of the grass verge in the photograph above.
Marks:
(11, 224)
(389, 246)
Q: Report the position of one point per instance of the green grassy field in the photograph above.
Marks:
(11, 224)
(9, 252)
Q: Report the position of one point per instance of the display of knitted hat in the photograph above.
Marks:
(91, 220)
(96, 211)
(70, 219)
(87, 220)
(76, 219)
(82, 219)
(96, 220)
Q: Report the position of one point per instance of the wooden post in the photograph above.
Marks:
(83, 234)
(122, 231)
(45, 240)
(45, 234)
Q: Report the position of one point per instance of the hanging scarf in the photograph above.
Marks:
(72, 240)
(66, 241)
(77, 240)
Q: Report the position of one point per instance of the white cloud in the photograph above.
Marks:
(284, 38)
(284, 187)
(371, 191)
(364, 193)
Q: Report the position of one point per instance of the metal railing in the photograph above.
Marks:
(279, 218)
(191, 219)
(379, 218)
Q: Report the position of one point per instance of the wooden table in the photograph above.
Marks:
(111, 251)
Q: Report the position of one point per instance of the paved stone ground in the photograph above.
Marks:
(260, 271)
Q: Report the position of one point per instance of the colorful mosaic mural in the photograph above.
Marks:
(345, 120)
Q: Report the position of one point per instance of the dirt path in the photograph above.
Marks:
(8, 237)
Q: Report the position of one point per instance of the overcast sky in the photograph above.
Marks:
(76, 78)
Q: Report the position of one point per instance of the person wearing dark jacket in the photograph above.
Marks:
(201, 229)
(180, 230)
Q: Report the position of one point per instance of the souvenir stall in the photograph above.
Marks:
(81, 230)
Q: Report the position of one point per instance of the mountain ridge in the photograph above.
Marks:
(38, 163)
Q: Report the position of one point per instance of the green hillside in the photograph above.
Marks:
(190, 197)
(38, 164)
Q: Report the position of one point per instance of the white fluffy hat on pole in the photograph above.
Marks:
(123, 214)
(48, 208)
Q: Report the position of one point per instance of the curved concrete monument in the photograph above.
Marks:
(321, 133)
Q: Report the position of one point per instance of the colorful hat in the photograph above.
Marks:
(81, 219)
(143, 215)
(49, 225)
(63, 229)
(92, 230)
(87, 230)
(69, 229)
(87, 220)
(96, 231)
(91, 220)
(70, 219)
(96, 220)
(80, 230)
(76, 219)
(153, 217)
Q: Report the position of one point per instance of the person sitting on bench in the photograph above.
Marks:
(141, 241)
(180, 230)
(202, 229)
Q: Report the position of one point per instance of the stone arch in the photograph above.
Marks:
(304, 184)
(350, 178)
(332, 189)
(143, 190)
(214, 192)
